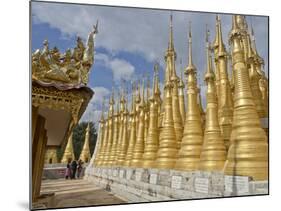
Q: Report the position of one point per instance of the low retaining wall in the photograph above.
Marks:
(57, 171)
(142, 185)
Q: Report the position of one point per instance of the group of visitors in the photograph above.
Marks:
(72, 167)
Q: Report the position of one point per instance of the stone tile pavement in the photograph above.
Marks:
(79, 192)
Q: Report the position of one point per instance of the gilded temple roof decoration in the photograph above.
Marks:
(66, 70)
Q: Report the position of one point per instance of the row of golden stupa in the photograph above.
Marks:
(172, 133)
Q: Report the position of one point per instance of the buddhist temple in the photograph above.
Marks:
(196, 140)
(60, 96)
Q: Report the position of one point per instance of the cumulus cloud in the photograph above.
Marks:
(142, 31)
(93, 110)
(121, 69)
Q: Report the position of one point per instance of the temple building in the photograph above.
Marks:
(60, 96)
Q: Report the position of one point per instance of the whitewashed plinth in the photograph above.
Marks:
(142, 185)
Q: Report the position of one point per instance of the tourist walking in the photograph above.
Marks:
(73, 168)
(68, 171)
(79, 168)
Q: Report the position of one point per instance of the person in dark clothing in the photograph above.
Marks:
(79, 168)
(67, 171)
(73, 168)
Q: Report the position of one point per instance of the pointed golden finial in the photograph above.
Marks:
(147, 88)
(155, 81)
(181, 84)
(216, 41)
(209, 71)
(111, 101)
(102, 109)
(143, 90)
(133, 83)
(221, 50)
(190, 66)
(138, 96)
(235, 27)
(171, 38)
(254, 47)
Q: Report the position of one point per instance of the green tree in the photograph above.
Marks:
(79, 133)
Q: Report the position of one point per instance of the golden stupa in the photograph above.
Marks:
(248, 151)
(213, 154)
(139, 145)
(189, 153)
(176, 132)
(151, 145)
(85, 155)
(68, 154)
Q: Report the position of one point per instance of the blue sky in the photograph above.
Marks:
(130, 40)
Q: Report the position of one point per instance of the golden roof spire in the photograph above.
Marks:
(209, 71)
(143, 89)
(171, 37)
(235, 27)
(216, 41)
(102, 110)
(147, 88)
(156, 90)
(221, 50)
(133, 97)
(254, 48)
(138, 96)
(181, 84)
(190, 66)
(111, 101)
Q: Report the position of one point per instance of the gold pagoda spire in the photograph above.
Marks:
(116, 116)
(137, 103)
(132, 136)
(248, 151)
(181, 95)
(255, 78)
(106, 161)
(259, 64)
(68, 154)
(139, 145)
(213, 152)
(124, 139)
(100, 144)
(85, 153)
(171, 37)
(151, 145)
(189, 153)
(121, 122)
(200, 106)
(243, 28)
(225, 102)
(216, 49)
(168, 143)
(170, 59)
(146, 109)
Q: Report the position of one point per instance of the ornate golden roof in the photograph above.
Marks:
(64, 70)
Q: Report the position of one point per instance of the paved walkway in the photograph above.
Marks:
(73, 193)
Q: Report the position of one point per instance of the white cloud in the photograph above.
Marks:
(141, 31)
(93, 110)
(121, 69)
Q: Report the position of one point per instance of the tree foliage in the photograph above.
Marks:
(79, 133)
